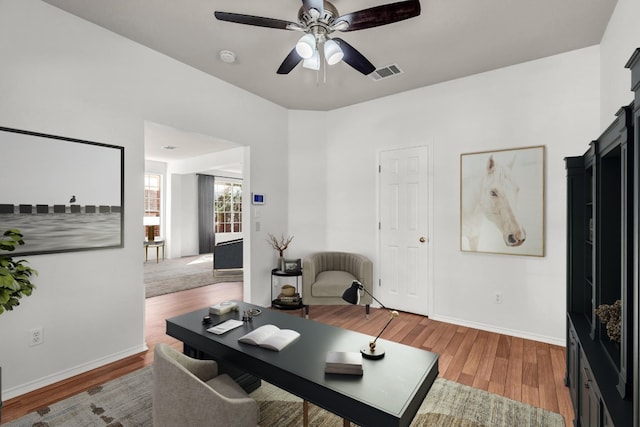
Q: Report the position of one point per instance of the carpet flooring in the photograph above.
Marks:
(126, 401)
(179, 274)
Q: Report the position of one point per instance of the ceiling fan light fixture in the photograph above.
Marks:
(306, 46)
(312, 63)
(332, 52)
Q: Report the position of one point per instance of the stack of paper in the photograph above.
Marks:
(226, 326)
(343, 362)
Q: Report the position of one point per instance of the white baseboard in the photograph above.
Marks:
(68, 373)
(490, 328)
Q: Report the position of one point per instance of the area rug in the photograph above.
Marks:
(126, 402)
(179, 274)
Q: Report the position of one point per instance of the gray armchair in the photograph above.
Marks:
(189, 392)
(326, 275)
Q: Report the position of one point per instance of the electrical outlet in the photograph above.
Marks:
(498, 298)
(36, 336)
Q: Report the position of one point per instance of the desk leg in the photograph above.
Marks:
(305, 413)
(146, 253)
(157, 254)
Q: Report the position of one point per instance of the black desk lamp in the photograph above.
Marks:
(352, 296)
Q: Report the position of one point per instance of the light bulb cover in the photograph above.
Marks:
(312, 63)
(306, 46)
(332, 52)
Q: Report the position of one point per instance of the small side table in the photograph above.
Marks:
(158, 243)
(278, 278)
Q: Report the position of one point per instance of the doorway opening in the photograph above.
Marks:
(179, 158)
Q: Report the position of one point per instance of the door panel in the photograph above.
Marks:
(403, 213)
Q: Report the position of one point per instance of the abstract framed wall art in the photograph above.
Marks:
(63, 194)
(502, 201)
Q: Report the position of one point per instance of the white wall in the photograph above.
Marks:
(553, 102)
(64, 76)
(184, 198)
(308, 168)
(620, 40)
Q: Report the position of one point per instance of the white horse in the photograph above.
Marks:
(494, 196)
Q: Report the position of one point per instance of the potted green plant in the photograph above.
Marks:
(15, 275)
(15, 279)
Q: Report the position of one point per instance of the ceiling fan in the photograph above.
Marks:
(318, 19)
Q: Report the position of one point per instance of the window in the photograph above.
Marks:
(152, 203)
(227, 206)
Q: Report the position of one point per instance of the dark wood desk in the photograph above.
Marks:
(388, 394)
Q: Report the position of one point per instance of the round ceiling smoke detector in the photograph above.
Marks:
(227, 56)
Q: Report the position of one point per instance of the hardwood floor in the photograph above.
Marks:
(520, 369)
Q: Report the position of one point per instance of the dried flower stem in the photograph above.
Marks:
(279, 245)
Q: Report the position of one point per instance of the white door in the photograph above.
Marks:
(404, 233)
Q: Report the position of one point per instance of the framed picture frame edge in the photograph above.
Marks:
(535, 207)
(48, 169)
(292, 265)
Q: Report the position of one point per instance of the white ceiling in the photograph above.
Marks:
(165, 144)
(449, 40)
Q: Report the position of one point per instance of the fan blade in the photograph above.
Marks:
(380, 15)
(289, 62)
(258, 21)
(314, 4)
(355, 58)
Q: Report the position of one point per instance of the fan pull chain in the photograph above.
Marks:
(324, 71)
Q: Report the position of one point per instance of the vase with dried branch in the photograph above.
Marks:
(280, 245)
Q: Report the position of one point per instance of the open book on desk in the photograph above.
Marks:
(270, 336)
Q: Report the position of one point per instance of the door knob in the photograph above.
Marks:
(422, 240)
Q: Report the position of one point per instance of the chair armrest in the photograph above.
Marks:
(309, 273)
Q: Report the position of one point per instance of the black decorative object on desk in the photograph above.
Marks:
(352, 296)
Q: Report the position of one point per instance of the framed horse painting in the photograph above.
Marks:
(502, 201)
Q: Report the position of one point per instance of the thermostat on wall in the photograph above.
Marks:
(257, 198)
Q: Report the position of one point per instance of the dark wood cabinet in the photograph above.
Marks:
(589, 396)
(634, 66)
(603, 254)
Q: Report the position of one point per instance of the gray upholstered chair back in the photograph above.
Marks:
(189, 392)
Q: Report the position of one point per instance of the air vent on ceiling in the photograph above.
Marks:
(383, 73)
